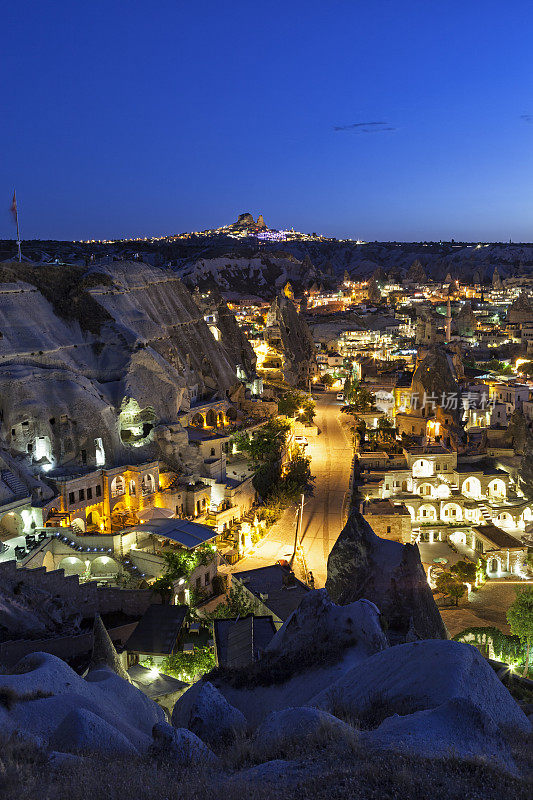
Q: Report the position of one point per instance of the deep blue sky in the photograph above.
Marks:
(133, 118)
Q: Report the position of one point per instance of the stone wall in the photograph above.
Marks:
(64, 647)
(396, 527)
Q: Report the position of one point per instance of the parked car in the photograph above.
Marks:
(340, 396)
(301, 440)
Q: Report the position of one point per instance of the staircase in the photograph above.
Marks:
(487, 516)
(13, 483)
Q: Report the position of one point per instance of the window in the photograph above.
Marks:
(388, 528)
(437, 467)
(98, 491)
(81, 494)
(445, 467)
(207, 579)
(84, 456)
(199, 583)
(71, 497)
(212, 451)
(89, 493)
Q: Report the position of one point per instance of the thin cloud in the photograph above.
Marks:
(365, 127)
(527, 118)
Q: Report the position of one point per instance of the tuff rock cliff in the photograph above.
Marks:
(79, 347)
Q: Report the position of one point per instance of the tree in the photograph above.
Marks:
(238, 604)
(464, 571)
(164, 587)
(350, 389)
(447, 584)
(520, 618)
(327, 379)
(293, 404)
(266, 444)
(298, 476)
(266, 478)
(364, 400)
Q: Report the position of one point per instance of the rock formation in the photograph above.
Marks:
(130, 335)
(318, 620)
(104, 653)
(287, 331)
(390, 574)
(416, 272)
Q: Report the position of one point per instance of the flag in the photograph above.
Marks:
(14, 207)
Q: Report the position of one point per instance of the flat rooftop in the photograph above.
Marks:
(271, 582)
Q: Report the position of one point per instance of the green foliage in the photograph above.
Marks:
(181, 563)
(464, 571)
(520, 618)
(350, 389)
(267, 478)
(188, 667)
(447, 584)
(292, 403)
(508, 649)
(494, 365)
(297, 476)
(163, 587)
(266, 443)
(238, 604)
(327, 379)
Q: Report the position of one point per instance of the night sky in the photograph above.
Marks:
(378, 120)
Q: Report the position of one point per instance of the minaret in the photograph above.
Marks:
(448, 321)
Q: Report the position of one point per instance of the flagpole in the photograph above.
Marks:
(15, 212)
(18, 232)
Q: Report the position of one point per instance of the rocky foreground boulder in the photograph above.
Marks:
(390, 575)
(206, 712)
(419, 676)
(318, 620)
(45, 701)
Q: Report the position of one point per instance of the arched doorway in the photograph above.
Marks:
(231, 414)
(104, 567)
(11, 525)
(497, 489)
(198, 421)
(148, 484)
(472, 487)
(94, 520)
(425, 489)
(78, 525)
(118, 486)
(211, 419)
(72, 565)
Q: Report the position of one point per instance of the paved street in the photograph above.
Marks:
(331, 456)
